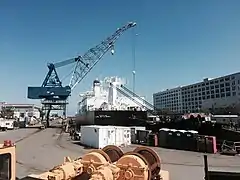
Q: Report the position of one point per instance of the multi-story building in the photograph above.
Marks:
(170, 99)
(24, 110)
(210, 93)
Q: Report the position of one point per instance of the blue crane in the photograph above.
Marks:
(52, 93)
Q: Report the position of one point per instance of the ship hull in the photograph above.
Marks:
(114, 118)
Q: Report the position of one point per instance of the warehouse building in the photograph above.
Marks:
(210, 93)
(1, 105)
(24, 110)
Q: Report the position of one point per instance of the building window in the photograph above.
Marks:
(227, 78)
(228, 94)
(221, 85)
(234, 93)
(234, 88)
(227, 84)
(212, 96)
(233, 83)
(217, 95)
(222, 95)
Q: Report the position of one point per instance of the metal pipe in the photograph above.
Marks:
(206, 167)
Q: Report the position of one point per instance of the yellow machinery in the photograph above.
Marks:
(109, 163)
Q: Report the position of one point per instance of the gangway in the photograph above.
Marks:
(129, 95)
(140, 98)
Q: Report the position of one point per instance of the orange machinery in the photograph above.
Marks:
(109, 163)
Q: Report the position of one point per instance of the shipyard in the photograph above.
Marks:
(88, 93)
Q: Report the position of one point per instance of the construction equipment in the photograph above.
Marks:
(53, 94)
(107, 163)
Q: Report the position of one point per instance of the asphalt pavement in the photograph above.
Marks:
(41, 151)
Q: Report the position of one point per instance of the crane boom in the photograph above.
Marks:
(86, 62)
(53, 94)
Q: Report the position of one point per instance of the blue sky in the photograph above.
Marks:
(179, 42)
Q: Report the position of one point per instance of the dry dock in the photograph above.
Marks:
(40, 151)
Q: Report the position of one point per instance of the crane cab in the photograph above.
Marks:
(7, 161)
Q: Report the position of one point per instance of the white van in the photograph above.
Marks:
(9, 124)
(3, 126)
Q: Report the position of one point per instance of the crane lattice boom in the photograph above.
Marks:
(86, 62)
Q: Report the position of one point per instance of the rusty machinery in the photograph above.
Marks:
(109, 163)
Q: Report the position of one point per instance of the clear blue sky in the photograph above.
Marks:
(179, 42)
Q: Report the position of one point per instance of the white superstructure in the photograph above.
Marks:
(103, 96)
(210, 93)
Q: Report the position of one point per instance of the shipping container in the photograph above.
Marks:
(122, 135)
(97, 136)
(101, 136)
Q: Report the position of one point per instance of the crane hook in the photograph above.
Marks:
(112, 50)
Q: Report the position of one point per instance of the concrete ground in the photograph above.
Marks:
(41, 151)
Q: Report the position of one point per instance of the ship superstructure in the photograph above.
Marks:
(105, 97)
(108, 104)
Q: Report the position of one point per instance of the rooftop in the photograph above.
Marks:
(203, 80)
(22, 105)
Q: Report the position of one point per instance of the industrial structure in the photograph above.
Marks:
(108, 163)
(106, 97)
(52, 92)
(209, 94)
(110, 102)
(23, 110)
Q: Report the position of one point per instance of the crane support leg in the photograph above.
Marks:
(47, 117)
(49, 106)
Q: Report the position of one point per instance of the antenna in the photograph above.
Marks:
(134, 59)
